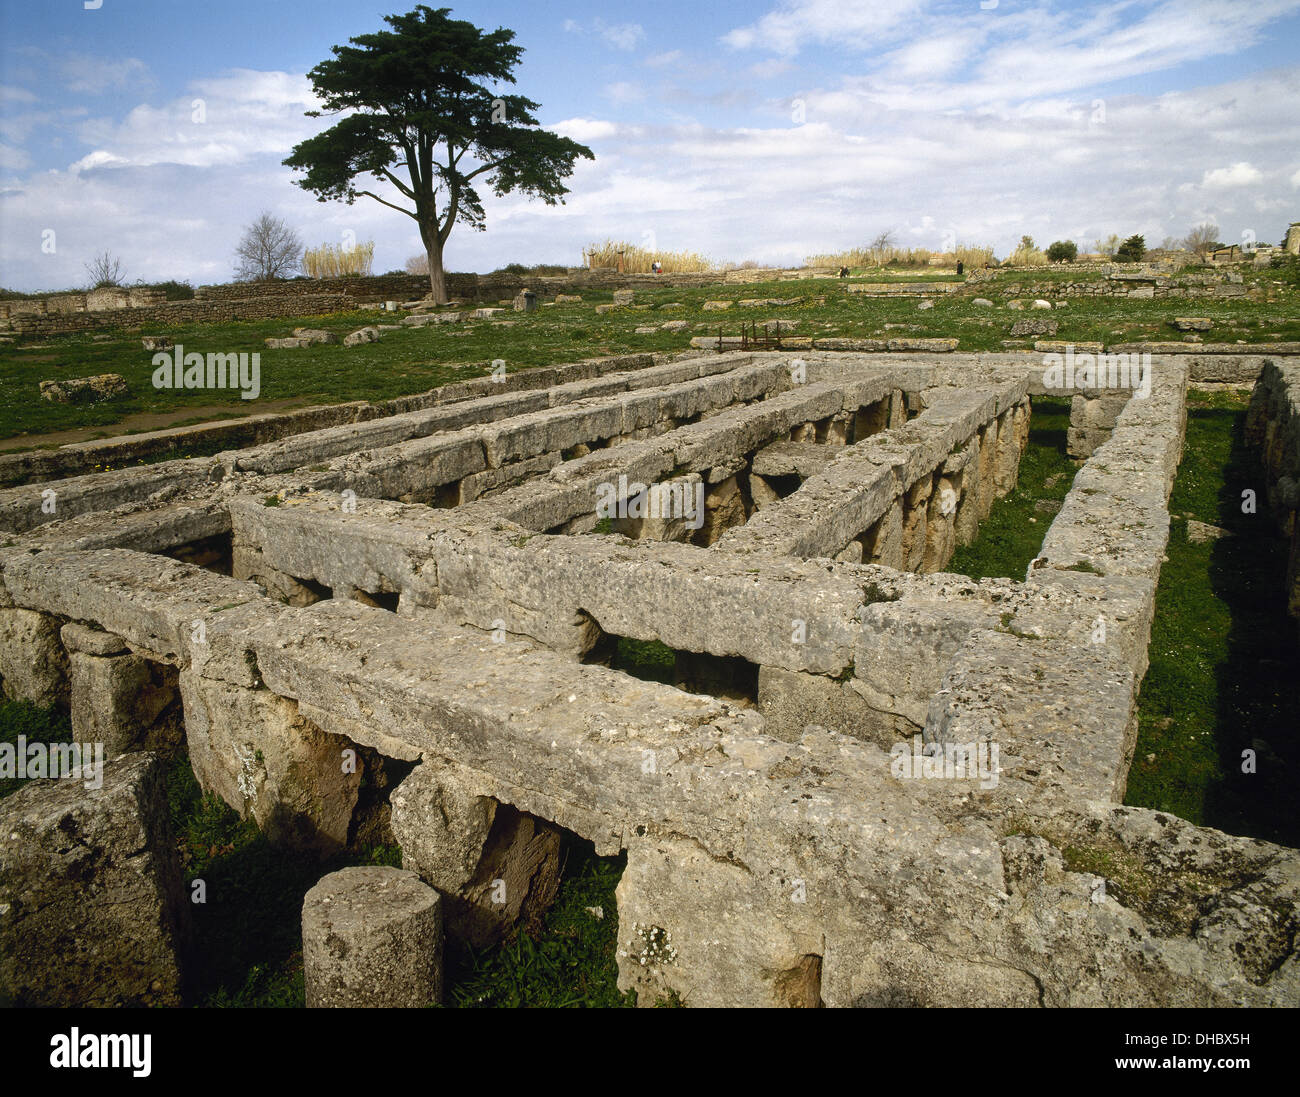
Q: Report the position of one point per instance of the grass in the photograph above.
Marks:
(1010, 537)
(415, 359)
(36, 725)
(570, 962)
(1221, 678)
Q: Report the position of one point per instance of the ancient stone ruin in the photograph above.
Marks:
(874, 783)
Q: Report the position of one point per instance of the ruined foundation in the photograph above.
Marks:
(438, 586)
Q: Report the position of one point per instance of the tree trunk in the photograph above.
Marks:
(433, 249)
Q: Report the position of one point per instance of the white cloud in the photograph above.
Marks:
(845, 23)
(623, 91)
(585, 129)
(621, 36)
(1238, 175)
(660, 60)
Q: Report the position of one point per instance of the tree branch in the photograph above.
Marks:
(370, 194)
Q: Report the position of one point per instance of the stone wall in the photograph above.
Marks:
(179, 312)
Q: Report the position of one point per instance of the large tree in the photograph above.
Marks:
(418, 115)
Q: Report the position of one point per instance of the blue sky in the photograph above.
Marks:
(763, 130)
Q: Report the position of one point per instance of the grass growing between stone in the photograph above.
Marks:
(35, 725)
(1223, 651)
(571, 962)
(1010, 537)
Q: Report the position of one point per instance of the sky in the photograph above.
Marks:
(768, 130)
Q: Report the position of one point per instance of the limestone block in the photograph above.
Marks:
(125, 702)
(362, 335)
(92, 905)
(372, 938)
(790, 701)
(255, 751)
(724, 507)
(710, 933)
(497, 868)
(33, 664)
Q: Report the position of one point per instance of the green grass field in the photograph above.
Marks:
(1010, 537)
(1223, 650)
(413, 360)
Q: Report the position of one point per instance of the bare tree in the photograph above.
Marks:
(881, 246)
(1203, 239)
(104, 270)
(269, 249)
(418, 264)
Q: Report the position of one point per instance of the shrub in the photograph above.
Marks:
(1132, 250)
(174, 291)
(1063, 251)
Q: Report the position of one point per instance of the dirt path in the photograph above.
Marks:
(145, 421)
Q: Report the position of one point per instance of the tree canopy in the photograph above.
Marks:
(418, 113)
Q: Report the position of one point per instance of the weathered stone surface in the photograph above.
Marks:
(372, 938)
(86, 390)
(92, 907)
(362, 335)
(1034, 327)
(259, 754)
(33, 664)
(124, 702)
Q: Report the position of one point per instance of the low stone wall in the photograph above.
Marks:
(79, 457)
(181, 312)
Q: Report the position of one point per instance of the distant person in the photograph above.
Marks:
(844, 272)
(656, 267)
(960, 268)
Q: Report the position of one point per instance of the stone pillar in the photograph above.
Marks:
(254, 750)
(33, 664)
(119, 699)
(940, 531)
(883, 543)
(372, 938)
(761, 492)
(897, 409)
(987, 468)
(496, 867)
(724, 507)
(916, 499)
(807, 432)
(1013, 435)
